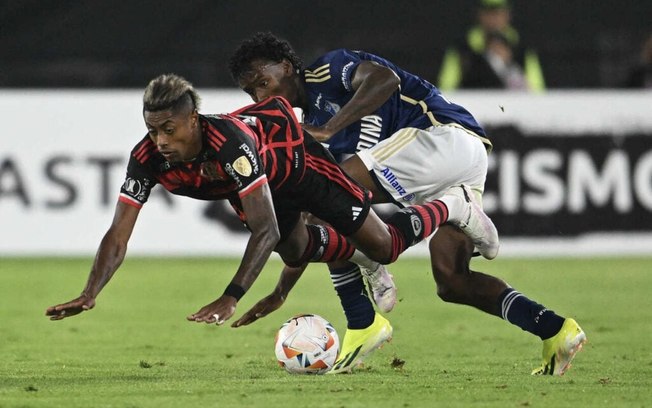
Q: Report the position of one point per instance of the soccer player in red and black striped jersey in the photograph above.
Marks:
(259, 159)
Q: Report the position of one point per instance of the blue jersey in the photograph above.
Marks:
(417, 103)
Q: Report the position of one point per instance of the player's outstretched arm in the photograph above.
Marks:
(274, 300)
(109, 256)
(261, 219)
(373, 85)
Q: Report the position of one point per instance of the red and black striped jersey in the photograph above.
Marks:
(258, 144)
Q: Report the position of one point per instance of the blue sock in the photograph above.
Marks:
(358, 309)
(528, 315)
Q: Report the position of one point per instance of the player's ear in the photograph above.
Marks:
(194, 117)
(288, 68)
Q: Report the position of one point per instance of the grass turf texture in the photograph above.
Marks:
(135, 349)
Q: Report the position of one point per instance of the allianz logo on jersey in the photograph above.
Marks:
(393, 181)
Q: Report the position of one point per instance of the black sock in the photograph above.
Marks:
(358, 309)
(528, 315)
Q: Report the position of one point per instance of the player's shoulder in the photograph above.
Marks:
(264, 108)
(144, 150)
(225, 123)
(333, 56)
(214, 119)
(219, 127)
(332, 71)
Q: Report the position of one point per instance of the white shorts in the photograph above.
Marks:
(415, 166)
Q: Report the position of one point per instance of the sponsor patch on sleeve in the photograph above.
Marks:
(242, 166)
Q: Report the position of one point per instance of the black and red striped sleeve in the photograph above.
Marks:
(236, 147)
(139, 179)
(280, 135)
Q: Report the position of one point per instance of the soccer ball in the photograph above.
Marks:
(307, 344)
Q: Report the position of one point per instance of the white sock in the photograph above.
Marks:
(363, 261)
(458, 209)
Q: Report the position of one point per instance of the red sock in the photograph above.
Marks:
(412, 224)
(325, 245)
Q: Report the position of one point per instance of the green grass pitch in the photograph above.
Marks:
(135, 349)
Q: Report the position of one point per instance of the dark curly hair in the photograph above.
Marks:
(263, 45)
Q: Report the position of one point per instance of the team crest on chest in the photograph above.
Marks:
(242, 166)
(331, 107)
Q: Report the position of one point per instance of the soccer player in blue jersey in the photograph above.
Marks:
(409, 145)
(270, 170)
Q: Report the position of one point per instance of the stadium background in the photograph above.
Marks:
(582, 44)
(63, 63)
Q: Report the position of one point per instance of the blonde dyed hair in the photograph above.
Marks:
(170, 91)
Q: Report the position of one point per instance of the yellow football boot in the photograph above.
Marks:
(559, 350)
(359, 343)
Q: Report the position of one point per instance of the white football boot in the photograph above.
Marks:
(382, 286)
(472, 220)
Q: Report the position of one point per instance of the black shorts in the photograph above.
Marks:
(325, 191)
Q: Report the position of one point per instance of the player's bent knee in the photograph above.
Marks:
(453, 287)
(291, 255)
(293, 263)
(293, 260)
(449, 292)
(450, 252)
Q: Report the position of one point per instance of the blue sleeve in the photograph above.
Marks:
(340, 64)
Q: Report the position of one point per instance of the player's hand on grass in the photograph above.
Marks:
(74, 307)
(218, 311)
(264, 307)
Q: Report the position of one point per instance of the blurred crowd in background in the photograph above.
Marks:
(467, 44)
